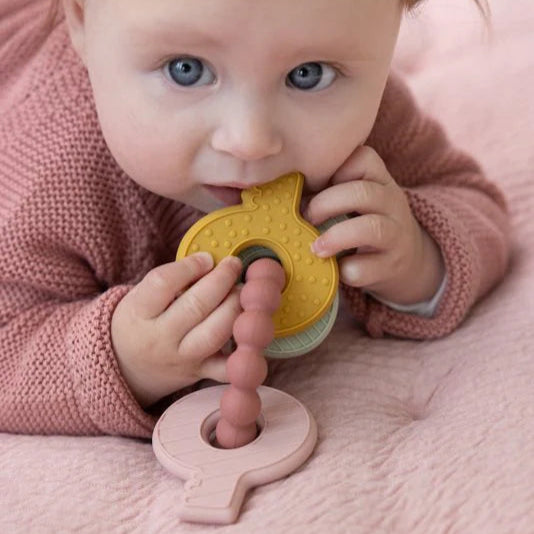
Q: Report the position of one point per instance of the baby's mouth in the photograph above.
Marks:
(229, 196)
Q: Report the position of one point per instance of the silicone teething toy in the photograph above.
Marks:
(268, 217)
(246, 367)
(217, 479)
(287, 302)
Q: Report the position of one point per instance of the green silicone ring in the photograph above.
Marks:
(314, 335)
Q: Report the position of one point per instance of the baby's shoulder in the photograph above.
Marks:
(52, 151)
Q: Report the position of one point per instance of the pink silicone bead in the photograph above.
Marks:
(230, 437)
(240, 407)
(261, 294)
(267, 268)
(245, 368)
(254, 328)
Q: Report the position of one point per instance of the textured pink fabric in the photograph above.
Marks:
(414, 437)
(77, 234)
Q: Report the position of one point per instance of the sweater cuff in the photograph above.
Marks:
(462, 265)
(100, 389)
(424, 309)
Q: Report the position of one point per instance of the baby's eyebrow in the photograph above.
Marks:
(156, 29)
(175, 35)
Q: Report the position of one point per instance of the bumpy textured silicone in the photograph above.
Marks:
(246, 367)
(269, 217)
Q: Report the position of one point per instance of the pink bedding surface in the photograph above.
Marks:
(433, 437)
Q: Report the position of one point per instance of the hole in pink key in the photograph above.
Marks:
(207, 429)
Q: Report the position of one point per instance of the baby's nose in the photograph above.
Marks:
(247, 133)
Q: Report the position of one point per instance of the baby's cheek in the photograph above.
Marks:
(142, 154)
(327, 155)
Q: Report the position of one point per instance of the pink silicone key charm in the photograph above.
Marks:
(217, 479)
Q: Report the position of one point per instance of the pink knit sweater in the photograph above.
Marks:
(76, 234)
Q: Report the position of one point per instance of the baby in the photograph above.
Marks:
(132, 119)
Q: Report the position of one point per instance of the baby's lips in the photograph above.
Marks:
(228, 196)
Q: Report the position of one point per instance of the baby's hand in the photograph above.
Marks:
(168, 331)
(396, 259)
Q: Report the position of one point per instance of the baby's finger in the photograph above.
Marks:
(356, 196)
(363, 164)
(160, 287)
(374, 231)
(363, 270)
(214, 368)
(202, 298)
(215, 330)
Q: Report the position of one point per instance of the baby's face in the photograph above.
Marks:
(201, 98)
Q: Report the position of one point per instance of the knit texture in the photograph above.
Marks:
(77, 234)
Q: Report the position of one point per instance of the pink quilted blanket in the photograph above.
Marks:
(414, 437)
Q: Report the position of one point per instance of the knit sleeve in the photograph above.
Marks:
(58, 371)
(453, 201)
(74, 237)
(70, 251)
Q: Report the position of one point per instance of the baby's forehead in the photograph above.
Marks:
(322, 23)
(264, 12)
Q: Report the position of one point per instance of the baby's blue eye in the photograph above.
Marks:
(189, 71)
(312, 76)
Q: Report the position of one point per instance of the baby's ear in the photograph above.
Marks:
(75, 16)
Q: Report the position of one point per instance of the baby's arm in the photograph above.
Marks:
(463, 213)
(59, 372)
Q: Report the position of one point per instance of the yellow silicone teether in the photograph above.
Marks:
(268, 216)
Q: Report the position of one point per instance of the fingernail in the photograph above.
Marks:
(317, 247)
(234, 262)
(350, 273)
(206, 258)
(233, 259)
